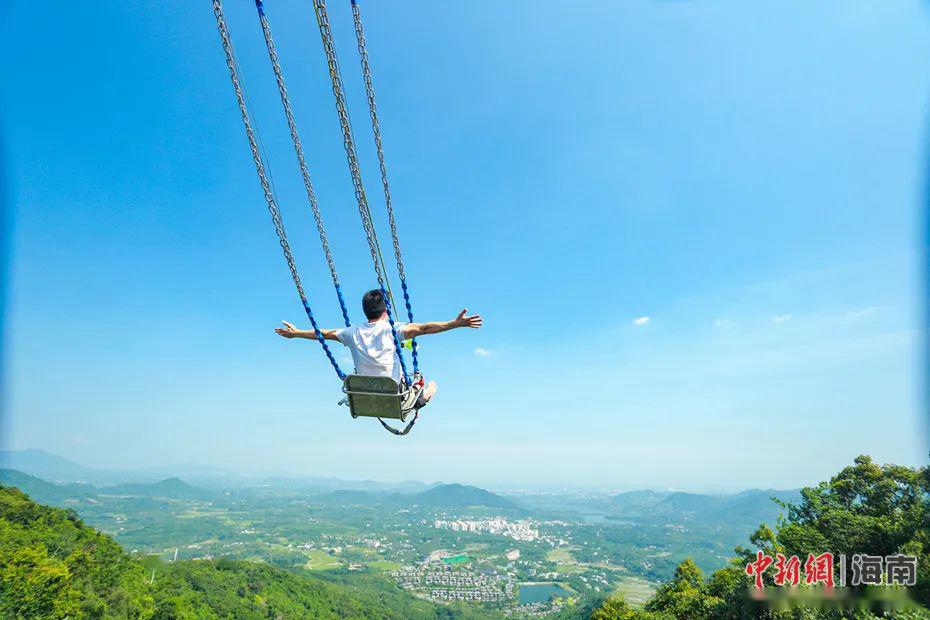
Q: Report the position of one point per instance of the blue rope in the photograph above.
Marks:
(260, 7)
(413, 341)
(320, 338)
(400, 355)
(342, 304)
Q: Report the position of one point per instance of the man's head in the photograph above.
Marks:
(373, 304)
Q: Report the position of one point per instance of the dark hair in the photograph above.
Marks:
(373, 304)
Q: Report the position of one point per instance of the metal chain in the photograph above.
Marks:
(319, 7)
(301, 160)
(329, 47)
(376, 130)
(263, 179)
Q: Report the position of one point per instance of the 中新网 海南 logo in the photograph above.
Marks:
(831, 571)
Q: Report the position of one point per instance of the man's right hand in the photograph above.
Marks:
(474, 321)
(288, 331)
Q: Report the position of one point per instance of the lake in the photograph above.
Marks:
(540, 592)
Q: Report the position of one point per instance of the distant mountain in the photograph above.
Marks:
(349, 496)
(325, 485)
(46, 466)
(448, 496)
(638, 499)
(43, 491)
(53, 468)
(59, 494)
(172, 488)
(755, 505)
(461, 496)
(740, 510)
(691, 502)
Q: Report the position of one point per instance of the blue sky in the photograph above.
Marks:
(693, 229)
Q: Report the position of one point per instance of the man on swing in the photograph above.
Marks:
(372, 345)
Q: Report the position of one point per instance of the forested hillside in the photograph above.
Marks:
(52, 566)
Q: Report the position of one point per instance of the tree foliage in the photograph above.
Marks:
(52, 566)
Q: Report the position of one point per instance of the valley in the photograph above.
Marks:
(524, 554)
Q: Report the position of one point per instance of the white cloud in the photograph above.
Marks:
(858, 314)
(482, 352)
(781, 318)
(641, 321)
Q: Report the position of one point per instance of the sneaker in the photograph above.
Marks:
(427, 394)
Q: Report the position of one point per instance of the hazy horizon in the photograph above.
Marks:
(195, 473)
(696, 247)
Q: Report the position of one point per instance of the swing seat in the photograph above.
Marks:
(378, 397)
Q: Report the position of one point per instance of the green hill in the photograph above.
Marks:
(739, 511)
(173, 488)
(54, 566)
(448, 496)
(461, 496)
(46, 492)
(638, 500)
(353, 497)
(757, 505)
(53, 493)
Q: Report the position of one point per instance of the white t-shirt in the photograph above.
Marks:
(373, 349)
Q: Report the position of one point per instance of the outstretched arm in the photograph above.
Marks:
(289, 331)
(413, 330)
